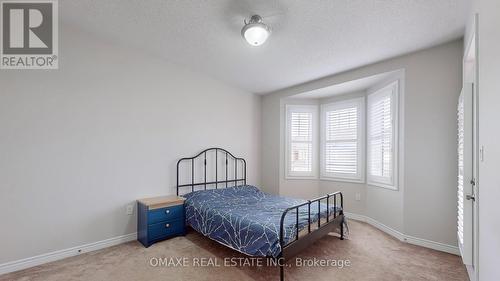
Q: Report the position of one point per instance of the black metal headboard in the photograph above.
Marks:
(228, 157)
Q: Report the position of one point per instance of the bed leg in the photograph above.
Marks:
(282, 272)
(342, 229)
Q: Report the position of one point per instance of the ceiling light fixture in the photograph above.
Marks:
(255, 31)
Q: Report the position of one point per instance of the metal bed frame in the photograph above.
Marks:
(290, 249)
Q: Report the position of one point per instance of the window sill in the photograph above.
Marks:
(383, 185)
(301, 177)
(342, 180)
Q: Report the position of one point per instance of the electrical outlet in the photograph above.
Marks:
(358, 196)
(130, 209)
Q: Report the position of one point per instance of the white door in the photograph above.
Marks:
(466, 181)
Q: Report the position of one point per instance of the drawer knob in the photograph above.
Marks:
(167, 225)
(167, 211)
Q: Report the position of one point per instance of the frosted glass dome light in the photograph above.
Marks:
(255, 31)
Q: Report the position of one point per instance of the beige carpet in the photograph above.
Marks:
(373, 255)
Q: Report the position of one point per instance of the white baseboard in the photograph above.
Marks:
(406, 238)
(377, 224)
(386, 229)
(433, 245)
(355, 217)
(65, 253)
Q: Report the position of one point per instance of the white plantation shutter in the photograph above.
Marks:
(461, 170)
(381, 138)
(341, 140)
(465, 174)
(301, 141)
(301, 122)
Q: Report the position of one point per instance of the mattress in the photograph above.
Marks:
(247, 219)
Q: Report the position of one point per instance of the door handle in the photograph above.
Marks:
(470, 197)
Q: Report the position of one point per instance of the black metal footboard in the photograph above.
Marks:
(290, 249)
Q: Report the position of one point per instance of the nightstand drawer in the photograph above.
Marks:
(163, 229)
(164, 214)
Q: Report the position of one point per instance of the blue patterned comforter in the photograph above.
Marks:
(245, 218)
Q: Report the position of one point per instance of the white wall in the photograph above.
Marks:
(271, 143)
(433, 84)
(79, 143)
(425, 204)
(489, 115)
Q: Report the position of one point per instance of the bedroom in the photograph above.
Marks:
(92, 132)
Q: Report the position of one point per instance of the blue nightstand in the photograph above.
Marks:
(160, 218)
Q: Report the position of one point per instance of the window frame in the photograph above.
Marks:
(361, 136)
(313, 109)
(392, 183)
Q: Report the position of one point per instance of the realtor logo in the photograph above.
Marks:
(29, 34)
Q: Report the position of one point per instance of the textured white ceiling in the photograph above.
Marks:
(311, 38)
